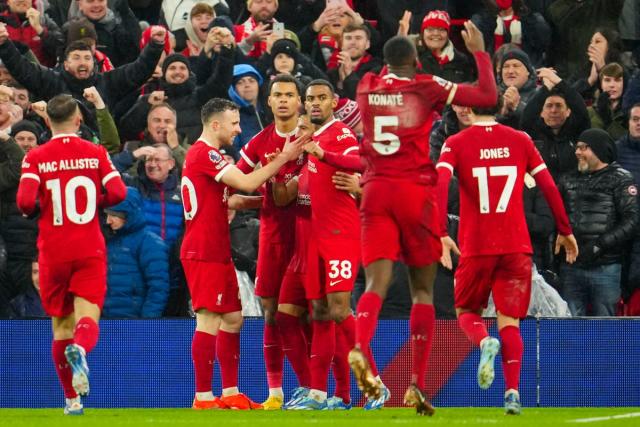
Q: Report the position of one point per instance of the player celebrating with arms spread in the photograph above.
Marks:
(67, 175)
(209, 270)
(398, 210)
(491, 161)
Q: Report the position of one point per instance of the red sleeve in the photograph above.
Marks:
(116, 192)
(249, 158)
(349, 162)
(552, 195)
(485, 93)
(444, 176)
(29, 183)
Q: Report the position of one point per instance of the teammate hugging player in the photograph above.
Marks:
(66, 175)
(209, 270)
(491, 161)
(399, 211)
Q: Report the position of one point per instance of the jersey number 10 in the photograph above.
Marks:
(480, 173)
(70, 205)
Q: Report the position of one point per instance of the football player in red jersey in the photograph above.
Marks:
(398, 107)
(491, 161)
(277, 239)
(67, 175)
(209, 270)
(334, 247)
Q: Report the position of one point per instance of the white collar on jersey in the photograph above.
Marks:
(485, 123)
(283, 134)
(323, 128)
(393, 76)
(64, 135)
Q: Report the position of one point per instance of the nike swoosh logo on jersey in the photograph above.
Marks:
(333, 283)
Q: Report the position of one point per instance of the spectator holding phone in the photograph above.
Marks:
(251, 36)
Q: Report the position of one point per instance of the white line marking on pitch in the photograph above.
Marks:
(612, 417)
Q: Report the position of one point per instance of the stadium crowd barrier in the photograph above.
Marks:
(147, 364)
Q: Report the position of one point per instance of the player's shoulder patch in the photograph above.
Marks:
(442, 82)
(214, 156)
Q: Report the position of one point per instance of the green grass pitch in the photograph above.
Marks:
(389, 417)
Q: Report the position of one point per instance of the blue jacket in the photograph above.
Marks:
(138, 266)
(252, 120)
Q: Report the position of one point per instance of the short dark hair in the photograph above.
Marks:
(636, 105)
(558, 93)
(76, 45)
(612, 69)
(399, 50)
(162, 105)
(61, 108)
(216, 106)
(284, 78)
(320, 82)
(350, 28)
(492, 110)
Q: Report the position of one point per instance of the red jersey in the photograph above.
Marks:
(334, 213)
(71, 173)
(397, 115)
(303, 222)
(491, 161)
(275, 222)
(204, 199)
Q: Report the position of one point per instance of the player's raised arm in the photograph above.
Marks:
(115, 189)
(29, 183)
(485, 92)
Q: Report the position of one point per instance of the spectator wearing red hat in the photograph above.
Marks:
(348, 112)
(353, 61)
(28, 26)
(438, 56)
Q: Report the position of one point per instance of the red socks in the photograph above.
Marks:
(228, 351)
(512, 349)
(345, 341)
(86, 333)
(273, 357)
(323, 348)
(473, 327)
(294, 346)
(421, 323)
(62, 366)
(203, 353)
(368, 310)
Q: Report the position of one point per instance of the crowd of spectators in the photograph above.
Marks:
(567, 72)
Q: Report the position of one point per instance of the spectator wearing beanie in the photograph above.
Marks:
(28, 26)
(245, 91)
(601, 200)
(178, 88)
(516, 83)
(348, 112)
(507, 21)
(197, 28)
(81, 29)
(27, 134)
(284, 57)
(437, 54)
(118, 29)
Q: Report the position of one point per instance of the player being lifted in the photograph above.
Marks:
(333, 250)
(276, 241)
(206, 251)
(399, 211)
(491, 161)
(67, 175)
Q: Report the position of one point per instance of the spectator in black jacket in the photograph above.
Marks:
(178, 88)
(354, 61)
(601, 201)
(79, 73)
(554, 117)
(438, 56)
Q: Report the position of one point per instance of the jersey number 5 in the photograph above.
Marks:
(511, 172)
(385, 143)
(70, 206)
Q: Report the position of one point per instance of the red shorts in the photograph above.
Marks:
(292, 290)
(332, 266)
(508, 276)
(213, 286)
(400, 222)
(60, 282)
(273, 259)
